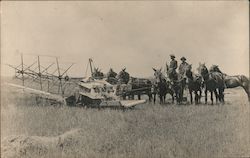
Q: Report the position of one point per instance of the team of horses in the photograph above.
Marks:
(206, 80)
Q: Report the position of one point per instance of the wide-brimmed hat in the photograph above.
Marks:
(172, 55)
(183, 58)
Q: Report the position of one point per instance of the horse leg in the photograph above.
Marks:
(139, 97)
(172, 95)
(150, 97)
(154, 98)
(196, 97)
(200, 95)
(248, 94)
(158, 96)
(178, 97)
(247, 90)
(221, 94)
(206, 96)
(161, 99)
(130, 97)
(124, 97)
(212, 98)
(172, 98)
(181, 94)
(217, 96)
(191, 96)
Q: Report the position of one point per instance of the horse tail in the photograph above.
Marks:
(245, 83)
(243, 78)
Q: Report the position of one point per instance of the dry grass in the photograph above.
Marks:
(147, 131)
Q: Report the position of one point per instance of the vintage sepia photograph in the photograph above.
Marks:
(125, 79)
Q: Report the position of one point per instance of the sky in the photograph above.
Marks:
(136, 35)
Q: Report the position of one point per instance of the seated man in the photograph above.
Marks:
(183, 66)
(172, 68)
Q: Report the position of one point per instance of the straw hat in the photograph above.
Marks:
(183, 58)
(172, 55)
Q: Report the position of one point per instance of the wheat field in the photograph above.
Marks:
(29, 129)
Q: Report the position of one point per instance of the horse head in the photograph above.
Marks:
(158, 74)
(202, 69)
(124, 69)
(215, 68)
(123, 76)
(112, 73)
(97, 73)
(198, 78)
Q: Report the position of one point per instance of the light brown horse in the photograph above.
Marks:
(234, 81)
(178, 83)
(162, 86)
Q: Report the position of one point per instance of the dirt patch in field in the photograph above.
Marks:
(38, 146)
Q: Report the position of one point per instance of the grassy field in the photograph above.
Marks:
(146, 131)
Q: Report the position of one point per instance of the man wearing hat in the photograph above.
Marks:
(172, 68)
(182, 66)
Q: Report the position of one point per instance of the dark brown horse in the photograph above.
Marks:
(141, 86)
(123, 77)
(163, 86)
(212, 82)
(98, 74)
(194, 83)
(138, 86)
(234, 81)
(111, 77)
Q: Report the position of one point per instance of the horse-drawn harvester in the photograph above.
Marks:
(136, 87)
(92, 91)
